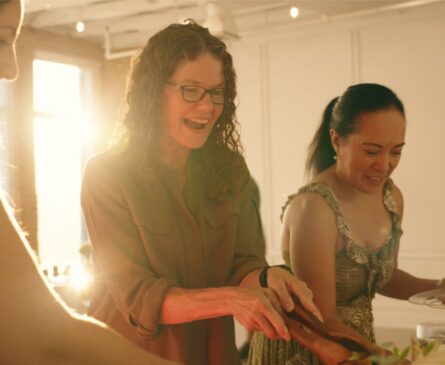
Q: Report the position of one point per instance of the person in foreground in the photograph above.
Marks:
(37, 326)
(341, 231)
(177, 238)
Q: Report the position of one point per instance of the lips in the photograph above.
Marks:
(376, 179)
(196, 124)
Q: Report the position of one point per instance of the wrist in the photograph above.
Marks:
(441, 284)
(263, 277)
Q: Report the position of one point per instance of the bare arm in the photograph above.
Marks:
(38, 328)
(256, 309)
(100, 345)
(309, 231)
(402, 285)
(285, 285)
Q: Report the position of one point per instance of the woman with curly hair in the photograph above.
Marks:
(171, 213)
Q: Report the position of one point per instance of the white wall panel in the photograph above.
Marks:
(304, 75)
(249, 62)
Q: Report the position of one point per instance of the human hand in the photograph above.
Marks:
(258, 309)
(285, 285)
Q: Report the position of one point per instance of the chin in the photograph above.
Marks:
(194, 145)
(372, 189)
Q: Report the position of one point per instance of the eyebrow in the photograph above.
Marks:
(370, 144)
(194, 82)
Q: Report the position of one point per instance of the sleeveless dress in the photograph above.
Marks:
(359, 273)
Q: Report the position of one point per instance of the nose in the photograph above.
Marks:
(206, 103)
(8, 65)
(383, 163)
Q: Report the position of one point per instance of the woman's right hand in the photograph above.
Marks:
(258, 309)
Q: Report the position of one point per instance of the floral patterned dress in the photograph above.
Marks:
(359, 273)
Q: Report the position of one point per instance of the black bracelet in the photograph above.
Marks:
(263, 274)
(263, 277)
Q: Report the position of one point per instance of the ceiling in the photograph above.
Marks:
(121, 25)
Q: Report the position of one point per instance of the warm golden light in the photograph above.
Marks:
(294, 12)
(79, 278)
(61, 129)
(80, 26)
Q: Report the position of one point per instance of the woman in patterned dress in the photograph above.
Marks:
(341, 231)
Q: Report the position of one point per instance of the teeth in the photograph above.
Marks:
(200, 121)
(196, 123)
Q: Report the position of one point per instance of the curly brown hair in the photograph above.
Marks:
(219, 160)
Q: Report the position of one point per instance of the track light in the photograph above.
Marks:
(294, 11)
(80, 26)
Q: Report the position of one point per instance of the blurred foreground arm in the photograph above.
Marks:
(38, 328)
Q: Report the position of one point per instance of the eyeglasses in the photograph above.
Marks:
(193, 94)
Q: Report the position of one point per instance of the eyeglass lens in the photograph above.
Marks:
(197, 93)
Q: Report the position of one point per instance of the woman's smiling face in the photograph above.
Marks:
(11, 14)
(187, 125)
(367, 157)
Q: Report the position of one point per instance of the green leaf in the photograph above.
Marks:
(428, 348)
(404, 353)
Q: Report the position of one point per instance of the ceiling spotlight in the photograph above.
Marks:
(294, 11)
(80, 26)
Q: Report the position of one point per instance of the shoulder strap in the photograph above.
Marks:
(320, 188)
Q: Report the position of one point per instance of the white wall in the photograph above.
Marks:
(287, 76)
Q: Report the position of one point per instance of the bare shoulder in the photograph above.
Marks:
(309, 230)
(308, 208)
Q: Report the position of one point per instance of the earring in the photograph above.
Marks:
(335, 157)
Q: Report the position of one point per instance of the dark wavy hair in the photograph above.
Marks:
(219, 160)
(341, 115)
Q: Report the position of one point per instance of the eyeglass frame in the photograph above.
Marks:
(206, 91)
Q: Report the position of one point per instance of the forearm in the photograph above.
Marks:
(254, 308)
(403, 285)
(55, 336)
(93, 343)
(187, 305)
(251, 279)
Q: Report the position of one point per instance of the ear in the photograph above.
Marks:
(335, 140)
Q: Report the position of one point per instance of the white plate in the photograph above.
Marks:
(431, 298)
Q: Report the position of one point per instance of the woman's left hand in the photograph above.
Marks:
(284, 284)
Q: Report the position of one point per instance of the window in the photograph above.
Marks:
(62, 121)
